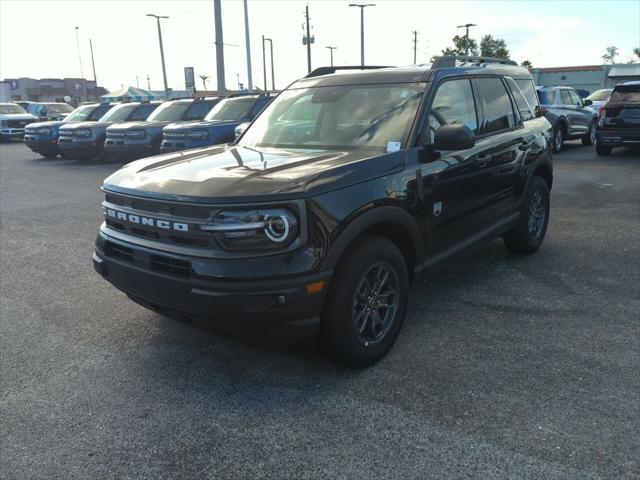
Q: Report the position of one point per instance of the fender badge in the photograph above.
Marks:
(437, 208)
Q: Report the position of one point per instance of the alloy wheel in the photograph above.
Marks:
(537, 214)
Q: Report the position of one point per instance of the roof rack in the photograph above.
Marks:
(328, 70)
(447, 61)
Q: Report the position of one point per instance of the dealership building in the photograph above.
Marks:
(587, 77)
(53, 89)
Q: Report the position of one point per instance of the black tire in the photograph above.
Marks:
(527, 236)
(352, 300)
(590, 137)
(603, 150)
(558, 138)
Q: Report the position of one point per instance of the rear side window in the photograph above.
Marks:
(524, 108)
(547, 97)
(142, 112)
(198, 110)
(575, 98)
(497, 108)
(528, 90)
(99, 111)
(453, 104)
(566, 97)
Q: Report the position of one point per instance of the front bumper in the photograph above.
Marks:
(124, 151)
(165, 283)
(78, 148)
(618, 138)
(42, 145)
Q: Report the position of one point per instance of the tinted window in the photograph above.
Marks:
(528, 90)
(453, 105)
(626, 94)
(547, 97)
(142, 112)
(198, 110)
(98, 112)
(231, 109)
(575, 98)
(498, 111)
(119, 113)
(524, 108)
(566, 97)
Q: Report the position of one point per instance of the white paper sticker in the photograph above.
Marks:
(393, 147)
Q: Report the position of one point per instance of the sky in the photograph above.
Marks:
(37, 37)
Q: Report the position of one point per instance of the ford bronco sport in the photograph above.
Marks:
(348, 185)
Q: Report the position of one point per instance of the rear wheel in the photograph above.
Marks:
(558, 138)
(528, 234)
(590, 137)
(367, 302)
(603, 150)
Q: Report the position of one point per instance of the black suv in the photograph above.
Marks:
(341, 191)
(85, 140)
(132, 140)
(619, 119)
(217, 127)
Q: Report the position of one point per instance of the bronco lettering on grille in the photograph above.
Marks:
(148, 221)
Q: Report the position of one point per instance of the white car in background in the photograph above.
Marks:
(13, 119)
(599, 98)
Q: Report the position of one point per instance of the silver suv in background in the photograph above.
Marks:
(569, 115)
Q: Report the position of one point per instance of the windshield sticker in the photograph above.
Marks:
(393, 147)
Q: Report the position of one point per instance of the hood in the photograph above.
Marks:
(17, 116)
(202, 124)
(137, 125)
(53, 124)
(239, 174)
(77, 125)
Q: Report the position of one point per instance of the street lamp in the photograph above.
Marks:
(79, 56)
(362, 6)
(331, 49)
(466, 37)
(264, 64)
(164, 70)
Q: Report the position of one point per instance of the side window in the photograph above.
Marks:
(575, 98)
(529, 91)
(198, 110)
(497, 108)
(259, 106)
(566, 97)
(524, 108)
(142, 112)
(98, 112)
(453, 104)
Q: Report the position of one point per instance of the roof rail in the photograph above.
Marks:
(447, 61)
(328, 70)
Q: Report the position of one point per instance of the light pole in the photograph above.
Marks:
(362, 6)
(466, 37)
(248, 44)
(217, 18)
(264, 64)
(331, 49)
(93, 63)
(79, 56)
(415, 46)
(164, 70)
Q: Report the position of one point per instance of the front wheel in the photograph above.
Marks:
(528, 234)
(367, 302)
(558, 138)
(590, 137)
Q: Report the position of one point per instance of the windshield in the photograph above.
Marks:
(547, 97)
(340, 117)
(118, 114)
(626, 94)
(79, 114)
(58, 107)
(169, 112)
(11, 108)
(231, 110)
(600, 95)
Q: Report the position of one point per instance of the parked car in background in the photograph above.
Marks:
(217, 127)
(336, 196)
(42, 137)
(619, 121)
(85, 140)
(13, 119)
(49, 111)
(568, 114)
(599, 98)
(132, 140)
(22, 104)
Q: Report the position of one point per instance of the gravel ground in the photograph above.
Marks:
(507, 367)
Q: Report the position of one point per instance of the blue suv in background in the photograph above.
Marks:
(217, 127)
(133, 140)
(42, 137)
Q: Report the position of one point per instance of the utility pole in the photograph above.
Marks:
(164, 70)
(217, 11)
(362, 6)
(331, 49)
(79, 56)
(148, 83)
(248, 44)
(93, 63)
(273, 81)
(466, 37)
(137, 82)
(264, 66)
(306, 14)
(415, 46)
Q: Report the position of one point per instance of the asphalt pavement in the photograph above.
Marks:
(507, 367)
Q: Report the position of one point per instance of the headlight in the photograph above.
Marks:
(136, 134)
(259, 229)
(83, 132)
(198, 135)
(43, 131)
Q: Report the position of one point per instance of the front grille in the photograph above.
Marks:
(17, 123)
(170, 134)
(158, 207)
(116, 134)
(172, 266)
(114, 250)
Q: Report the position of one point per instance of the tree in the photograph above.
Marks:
(527, 64)
(204, 79)
(636, 52)
(610, 56)
(460, 47)
(493, 47)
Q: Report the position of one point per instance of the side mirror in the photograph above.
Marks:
(587, 102)
(454, 137)
(239, 130)
(43, 112)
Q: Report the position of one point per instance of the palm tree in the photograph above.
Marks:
(204, 79)
(610, 56)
